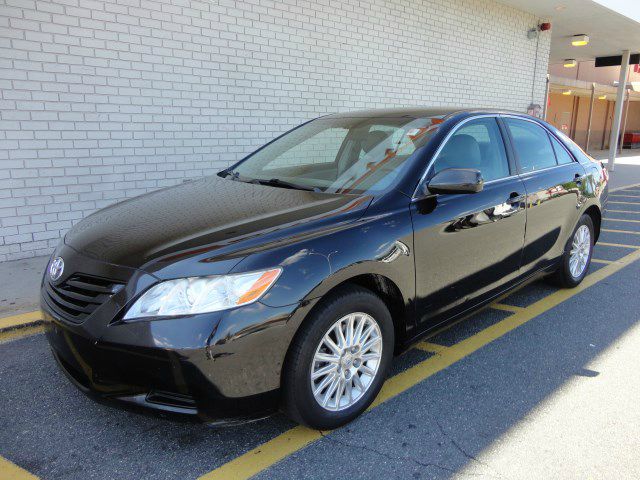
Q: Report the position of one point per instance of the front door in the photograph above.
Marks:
(468, 244)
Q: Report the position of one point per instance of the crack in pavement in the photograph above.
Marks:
(463, 451)
(391, 457)
(455, 444)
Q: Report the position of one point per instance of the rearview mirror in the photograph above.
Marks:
(456, 180)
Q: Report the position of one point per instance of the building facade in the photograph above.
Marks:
(102, 100)
(569, 103)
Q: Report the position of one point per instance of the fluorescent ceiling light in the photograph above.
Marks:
(579, 40)
(566, 92)
(570, 62)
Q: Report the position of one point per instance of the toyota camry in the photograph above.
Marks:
(290, 279)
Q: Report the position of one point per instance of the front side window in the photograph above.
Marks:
(532, 145)
(477, 144)
(339, 154)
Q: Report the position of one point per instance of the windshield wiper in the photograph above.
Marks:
(276, 182)
(227, 172)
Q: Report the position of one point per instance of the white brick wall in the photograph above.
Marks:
(106, 99)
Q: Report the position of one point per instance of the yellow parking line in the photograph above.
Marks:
(621, 220)
(431, 347)
(619, 245)
(597, 260)
(506, 308)
(625, 187)
(623, 211)
(280, 447)
(10, 471)
(22, 320)
(267, 454)
(611, 230)
(20, 333)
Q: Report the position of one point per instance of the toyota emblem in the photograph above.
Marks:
(56, 268)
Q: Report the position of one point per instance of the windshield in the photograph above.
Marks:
(339, 155)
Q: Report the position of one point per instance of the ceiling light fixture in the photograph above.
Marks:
(566, 92)
(570, 62)
(602, 97)
(579, 40)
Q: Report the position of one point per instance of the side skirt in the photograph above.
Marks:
(479, 304)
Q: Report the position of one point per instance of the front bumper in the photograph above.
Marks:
(218, 366)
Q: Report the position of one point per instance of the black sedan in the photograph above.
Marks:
(291, 278)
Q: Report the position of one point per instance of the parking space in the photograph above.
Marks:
(540, 384)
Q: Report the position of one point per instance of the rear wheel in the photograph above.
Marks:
(577, 255)
(339, 360)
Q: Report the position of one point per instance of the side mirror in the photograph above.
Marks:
(456, 180)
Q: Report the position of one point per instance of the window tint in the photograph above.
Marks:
(562, 156)
(532, 145)
(477, 144)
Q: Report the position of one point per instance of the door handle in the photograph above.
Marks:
(515, 197)
(508, 208)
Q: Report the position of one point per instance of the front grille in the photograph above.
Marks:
(79, 295)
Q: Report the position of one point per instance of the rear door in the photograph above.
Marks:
(467, 244)
(553, 181)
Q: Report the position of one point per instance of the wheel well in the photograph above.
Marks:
(596, 218)
(390, 294)
(387, 290)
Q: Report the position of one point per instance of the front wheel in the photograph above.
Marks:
(577, 255)
(339, 360)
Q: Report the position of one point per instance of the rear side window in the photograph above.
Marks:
(573, 147)
(562, 156)
(532, 145)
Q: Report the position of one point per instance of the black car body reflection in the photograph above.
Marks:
(430, 257)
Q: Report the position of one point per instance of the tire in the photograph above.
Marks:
(565, 276)
(349, 304)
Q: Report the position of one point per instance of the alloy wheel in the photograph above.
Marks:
(580, 249)
(346, 361)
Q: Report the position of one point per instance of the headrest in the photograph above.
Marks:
(463, 150)
(375, 138)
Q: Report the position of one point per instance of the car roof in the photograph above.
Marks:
(417, 112)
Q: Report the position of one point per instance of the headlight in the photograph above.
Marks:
(187, 296)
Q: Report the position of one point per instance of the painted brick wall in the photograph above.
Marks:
(103, 100)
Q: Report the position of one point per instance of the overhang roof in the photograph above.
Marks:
(580, 88)
(612, 25)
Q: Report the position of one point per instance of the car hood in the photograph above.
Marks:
(213, 216)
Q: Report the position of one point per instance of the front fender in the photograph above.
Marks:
(380, 243)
